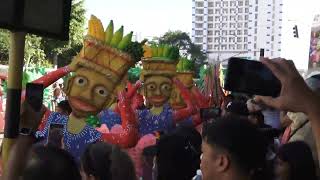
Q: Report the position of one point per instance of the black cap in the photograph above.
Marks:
(238, 108)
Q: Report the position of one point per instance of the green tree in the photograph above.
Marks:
(4, 46)
(188, 49)
(63, 51)
(33, 53)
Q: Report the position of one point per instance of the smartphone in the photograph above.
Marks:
(252, 77)
(34, 95)
(209, 113)
(55, 132)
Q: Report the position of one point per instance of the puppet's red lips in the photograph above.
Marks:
(78, 104)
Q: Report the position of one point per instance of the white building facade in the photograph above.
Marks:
(227, 28)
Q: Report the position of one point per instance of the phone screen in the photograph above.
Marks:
(34, 95)
(55, 131)
(251, 77)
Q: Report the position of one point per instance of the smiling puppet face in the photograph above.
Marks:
(89, 92)
(157, 89)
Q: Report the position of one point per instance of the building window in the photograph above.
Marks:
(225, 18)
(209, 46)
(225, 11)
(232, 3)
(232, 11)
(239, 32)
(246, 10)
(255, 31)
(240, 3)
(217, 33)
(256, 1)
(246, 17)
(240, 10)
(247, 2)
(256, 9)
(217, 11)
(225, 4)
(218, 4)
(199, 4)
(239, 39)
(210, 33)
(255, 46)
(231, 46)
(272, 38)
(246, 25)
(199, 11)
(256, 16)
(210, 25)
(210, 18)
(224, 39)
(239, 25)
(224, 47)
(224, 33)
(232, 25)
(217, 18)
(216, 40)
(210, 11)
(199, 18)
(232, 32)
(245, 32)
(198, 32)
(232, 18)
(240, 18)
(210, 4)
(232, 39)
(216, 47)
(217, 25)
(210, 40)
(245, 39)
(224, 25)
(198, 39)
(255, 38)
(198, 25)
(245, 46)
(239, 46)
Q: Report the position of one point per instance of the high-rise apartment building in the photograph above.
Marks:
(226, 28)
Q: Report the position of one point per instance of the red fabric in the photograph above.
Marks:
(286, 135)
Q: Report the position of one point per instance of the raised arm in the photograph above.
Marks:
(181, 114)
(295, 95)
(129, 136)
(53, 76)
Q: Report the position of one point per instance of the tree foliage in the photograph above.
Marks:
(41, 51)
(187, 48)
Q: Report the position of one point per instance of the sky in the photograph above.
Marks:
(147, 18)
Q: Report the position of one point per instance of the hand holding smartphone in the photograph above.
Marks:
(251, 77)
(34, 95)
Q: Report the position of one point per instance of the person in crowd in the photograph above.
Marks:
(300, 128)
(257, 119)
(64, 108)
(295, 162)
(178, 155)
(233, 149)
(41, 162)
(284, 120)
(237, 108)
(102, 161)
(50, 163)
(295, 96)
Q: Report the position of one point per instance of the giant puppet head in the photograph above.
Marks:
(159, 67)
(99, 68)
(185, 75)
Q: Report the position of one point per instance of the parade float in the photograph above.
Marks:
(98, 70)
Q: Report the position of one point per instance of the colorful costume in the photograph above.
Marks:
(99, 68)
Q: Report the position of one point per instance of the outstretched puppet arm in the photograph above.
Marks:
(181, 114)
(129, 136)
(53, 76)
